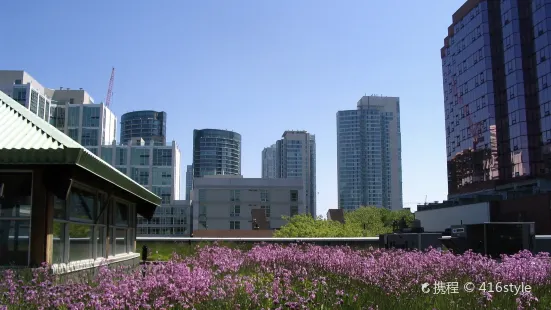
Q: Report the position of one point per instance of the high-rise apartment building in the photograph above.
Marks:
(369, 154)
(26, 90)
(269, 155)
(148, 125)
(296, 158)
(91, 125)
(216, 152)
(155, 167)
(496, 75)
(189, 181)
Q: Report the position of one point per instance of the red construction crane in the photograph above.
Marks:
(473, 128)
(110, 89)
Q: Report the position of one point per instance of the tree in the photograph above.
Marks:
(362, 222)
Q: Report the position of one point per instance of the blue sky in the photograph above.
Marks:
(257, 67)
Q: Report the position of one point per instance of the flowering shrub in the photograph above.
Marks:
(293, 277)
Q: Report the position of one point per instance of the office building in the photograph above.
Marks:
(369, 154)
(189, 181)
(171, 219)
(496, 78)
(216, 152)
(225, 202)
(26, 90)
(91, 125)
(155, 167)
(148, 125)
(296, 158)
(269, 162)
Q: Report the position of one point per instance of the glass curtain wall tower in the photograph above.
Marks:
(496, 77)
(216, 152)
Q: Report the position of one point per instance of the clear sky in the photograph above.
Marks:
(258, 67)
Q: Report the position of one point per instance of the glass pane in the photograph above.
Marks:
(59, 208)
(80, 242)
(59, 243)
(81, 205)
(121, 214)
(15, 190)
(100, 241)
(14, 242)
(120, 241)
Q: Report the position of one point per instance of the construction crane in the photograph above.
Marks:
(473, 128)
(110, 89)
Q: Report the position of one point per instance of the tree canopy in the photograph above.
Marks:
(362, 222)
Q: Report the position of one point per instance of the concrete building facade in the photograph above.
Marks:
(229, 202)
(369, 154)
(269, 168)
(169, 220)
(296, 158)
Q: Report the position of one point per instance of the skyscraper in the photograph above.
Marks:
(216, 152)
(189, 181)
(296, 158)
(26, 90)
(269, 162)
(496, 76)
(148, 125)
(369, 154)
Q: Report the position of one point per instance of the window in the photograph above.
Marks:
(140, 157)
(74, 117)
(123, 214)
(235, 195)
(235, 211)
(294, 195)
(293, 210)
(121, 157)
(90, 116)
(15, 218)
(141, 175)
(264, 195)
(267, 209)
(235, 225)
(162, 157)
(79, 225)
(89, 137)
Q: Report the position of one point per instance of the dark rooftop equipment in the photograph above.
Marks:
(493, 239)
(409, 238)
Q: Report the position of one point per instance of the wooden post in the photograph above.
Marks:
(41, 221)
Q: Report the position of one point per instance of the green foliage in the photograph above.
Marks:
(362, 222)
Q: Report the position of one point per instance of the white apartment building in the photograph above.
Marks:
(155, 167)
(269, 162)
(26, 90)
(227, 201)
(169, 220)
(91, 125)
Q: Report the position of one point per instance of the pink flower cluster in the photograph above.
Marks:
(277, 277)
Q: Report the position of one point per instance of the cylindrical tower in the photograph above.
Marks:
(216, 152)
(148, 125)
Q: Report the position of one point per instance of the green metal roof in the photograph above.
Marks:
(26, 139)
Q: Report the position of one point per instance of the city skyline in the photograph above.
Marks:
(259, 69)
